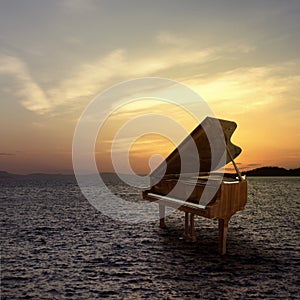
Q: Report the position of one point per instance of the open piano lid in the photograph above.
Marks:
(211, 131)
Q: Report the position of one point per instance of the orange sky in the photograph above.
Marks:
(242, 59)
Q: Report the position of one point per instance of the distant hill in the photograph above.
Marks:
(7, 175)
(114, 179)
(273, 171)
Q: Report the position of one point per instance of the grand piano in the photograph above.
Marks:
(195, 185)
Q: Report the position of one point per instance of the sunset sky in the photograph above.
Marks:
(242, 57)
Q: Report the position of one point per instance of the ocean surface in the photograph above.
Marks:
(56, 245)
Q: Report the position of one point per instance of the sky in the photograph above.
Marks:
(241, 57)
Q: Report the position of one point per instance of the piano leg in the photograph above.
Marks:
(189, 227)
(162, 215)
(192, 224)
(223, 228)
(186, 227)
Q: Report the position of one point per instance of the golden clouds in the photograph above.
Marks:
(258, 96)
(264, 101)
(166, 118)
(246, 89)
(90, 77)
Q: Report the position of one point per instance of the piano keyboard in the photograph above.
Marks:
(177, 201)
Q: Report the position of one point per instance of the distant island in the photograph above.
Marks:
(263, 171)
(272, 171)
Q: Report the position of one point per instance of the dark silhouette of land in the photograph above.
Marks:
(7, 175)
(263, 171)
(273, 171)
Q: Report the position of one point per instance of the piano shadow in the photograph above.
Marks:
(244, 256)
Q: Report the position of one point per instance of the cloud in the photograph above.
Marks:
(7, 154)
(260, 84)
(243, 167)
(168, 38)
(247, 89)
(91, 77)
(31, 94)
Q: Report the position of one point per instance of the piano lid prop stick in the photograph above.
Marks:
(236, 168)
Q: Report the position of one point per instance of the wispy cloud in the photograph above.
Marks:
(90, 77)
(31, 94)
(168, 38)
(260, 84)
(141, 145)
(7, 154)
(246, 89)
(242, 167)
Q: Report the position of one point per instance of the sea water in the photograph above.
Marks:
(56, 245)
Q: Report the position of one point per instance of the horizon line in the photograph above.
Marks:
(88, 174)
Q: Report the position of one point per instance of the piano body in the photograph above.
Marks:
(207, 193)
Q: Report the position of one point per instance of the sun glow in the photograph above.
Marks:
(142, 147)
